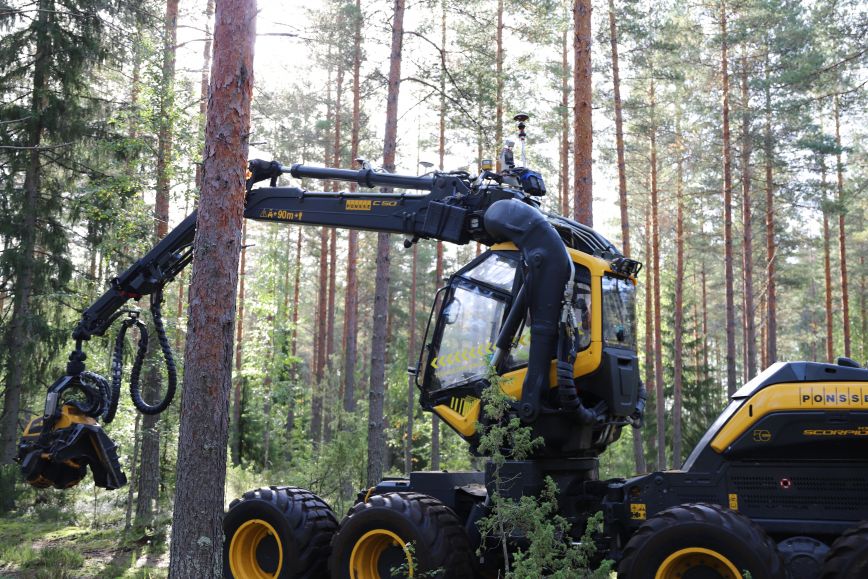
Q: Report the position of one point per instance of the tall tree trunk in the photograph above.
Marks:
(655, 248)
(296, 369)
(565, 124)
(827, 269)
(197, 531)
(583, 198)
(351, 303)
(842, 231)
(650, 383)
(316, 407)
(678, 328)
(376, 395)
(498, 98)
(149, 480)
(237, 402)
(747, 225)
(19, 340)
(727, 211)
(203, 90)
(771, 281)
(329, 406)
(619, 133)
(438, 268)
(411, 359)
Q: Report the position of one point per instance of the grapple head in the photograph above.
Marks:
(55, 451)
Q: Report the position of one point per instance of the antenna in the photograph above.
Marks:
(521, 118)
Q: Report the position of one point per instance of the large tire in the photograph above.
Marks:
(848, 558)
(703, 541)
(373, 540)
(282, 532)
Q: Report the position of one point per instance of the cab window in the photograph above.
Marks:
(619, 312)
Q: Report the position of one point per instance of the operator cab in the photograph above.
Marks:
(472, 318)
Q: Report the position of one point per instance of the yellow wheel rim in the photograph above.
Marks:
(679, 563)
(244, 547)
(365, 558)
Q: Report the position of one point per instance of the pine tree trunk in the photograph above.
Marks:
(237, 402)
(203, 90)
(351, 307)
(149, 481)
(316, 406)
(827, 269)
(376, 422)
(18, 336)
(438, 268)
(650, 383)
(197, 533)
(727, 212)
(747, 225)
(565, 125)
(498, 98)
(583, 134)
(411, 362)
(329, 407)
(678, 328)
(771, 281)
(619, 133)
(655, 271)
(842, 231)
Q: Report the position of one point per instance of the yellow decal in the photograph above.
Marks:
(637, 511)
(858, 431)
(358, 204)
(733, 502)
(791, 397)
(462, 405)
(464, 356)
(280, 215)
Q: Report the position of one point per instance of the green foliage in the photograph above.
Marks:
(536, 519)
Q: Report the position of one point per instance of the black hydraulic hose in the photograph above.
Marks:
(118, 362)
(171, 370)
(364, 177)
(548, 269)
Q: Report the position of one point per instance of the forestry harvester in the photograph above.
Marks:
(777, 487)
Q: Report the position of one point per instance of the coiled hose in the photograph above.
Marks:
(101, 398)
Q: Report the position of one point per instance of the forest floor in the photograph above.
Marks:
(37, 549)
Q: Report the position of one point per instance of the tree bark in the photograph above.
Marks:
(411, 361)
(747, 225)
(351, 302)
(619, 132)
(678, 328)
(237, 402)
(650, 382)
(582, 140)
(197, 533)
(842, 231)
(727, 211)
(203, 90)
(498, 98)
(827, 269)
(564, 148)
(655, 248)
(771, 281)
(149, 480)
(376, 395)
(316, 406)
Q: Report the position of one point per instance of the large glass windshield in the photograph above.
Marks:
(619, 312)
(471, 320)
(497, 271)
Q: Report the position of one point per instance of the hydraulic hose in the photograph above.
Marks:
(171, 370)
(548, 269)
